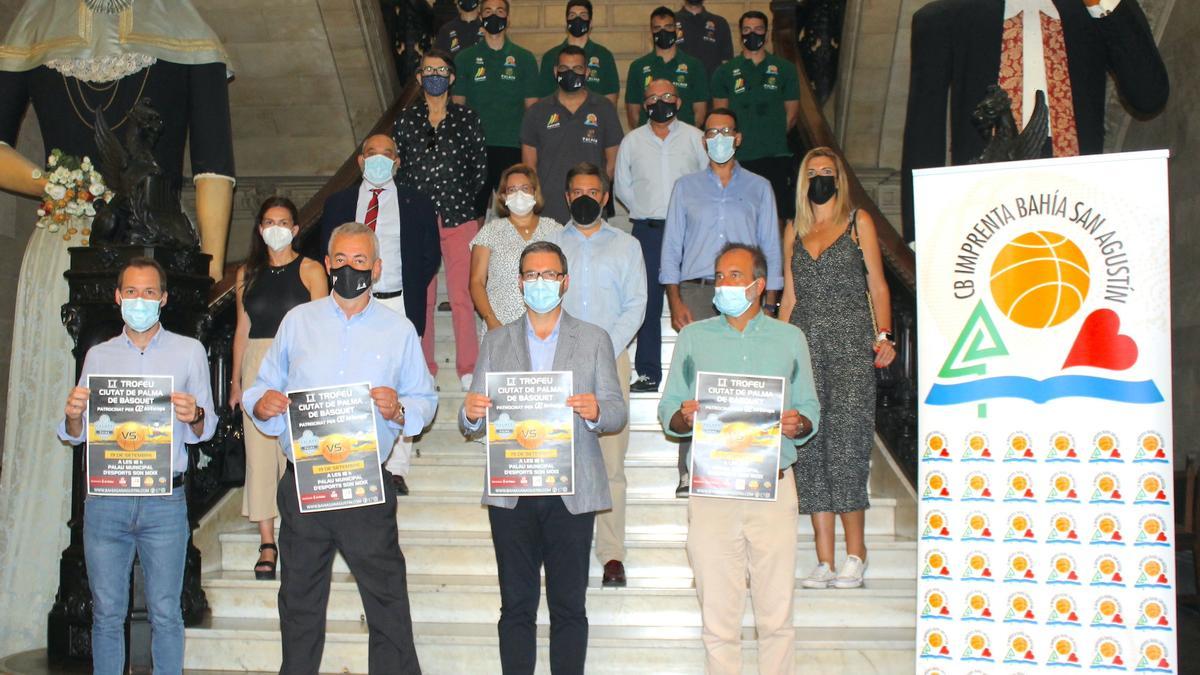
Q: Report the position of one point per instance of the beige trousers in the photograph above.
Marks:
(610, 525)
(726, 539)
(265, 462)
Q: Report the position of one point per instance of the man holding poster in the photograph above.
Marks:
(326, 353)
(553, 530)
(136, 503)
(728, 538)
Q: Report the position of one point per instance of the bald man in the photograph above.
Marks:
(649, 161)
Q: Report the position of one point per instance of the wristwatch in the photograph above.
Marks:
(885, 336)
(199, 415)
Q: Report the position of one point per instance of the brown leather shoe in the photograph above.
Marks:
(614, 574)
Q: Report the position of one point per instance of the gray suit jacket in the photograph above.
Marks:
(585, 350)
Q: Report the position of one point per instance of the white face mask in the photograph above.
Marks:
(277, 237)
(520, 204)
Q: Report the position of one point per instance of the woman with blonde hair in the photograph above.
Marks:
(496, 250)
(834, 290)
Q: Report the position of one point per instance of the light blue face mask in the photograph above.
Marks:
(731, 300)
(541, 295)
(720, 149)
(139, 313)
(378, 169)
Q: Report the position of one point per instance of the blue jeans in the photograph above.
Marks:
(647, 360)
(156, 528)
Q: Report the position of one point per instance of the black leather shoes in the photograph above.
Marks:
(614, 574)
(643, 385)
(399, 486)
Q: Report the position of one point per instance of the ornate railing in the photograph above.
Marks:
(896, 405)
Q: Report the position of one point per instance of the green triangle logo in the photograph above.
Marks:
(978, 341)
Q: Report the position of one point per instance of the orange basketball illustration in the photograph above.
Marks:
(1020, 645)
(1062, 483)
(935, 600)
(1040, 279)
(1150, 443)
(1151, 484)
(1106, 525)
(1020, 604)
(936, 560)
(1020, 563)
(977, 602)
(1152, 526)
(1108, 607)
(1019, 482)
(935, 639)
(936, 482)
(1153, 652)
(530, 434)
(936, 443)
(1106, 484)
(335, 448)
(1062, 523)
(1062, 443)
(1153, 610)
(1152, 568)
(1062, 605)
(1107, 443)
(977, 641)
(1063, 565)
(1020, 522)
(976, 562)
(1108, 649)
(1107, 566)
(129, 436)
(1019, 443)
(976, 482)
(1063, 647)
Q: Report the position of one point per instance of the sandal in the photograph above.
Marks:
(267, 574)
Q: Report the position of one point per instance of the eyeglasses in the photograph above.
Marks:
(435, 70)
(579, 70)
(548, 275)
(723, 131)
(665, 98)
(514, 189)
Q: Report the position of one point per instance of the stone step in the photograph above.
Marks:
(649, 556)
(882, 603)
(457, 648)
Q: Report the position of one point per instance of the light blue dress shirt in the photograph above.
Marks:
(318, 346)
(608, 280)
(703, 216)
(167, 354)
(541, 352)
(648, 166)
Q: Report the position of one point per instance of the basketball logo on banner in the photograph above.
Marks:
(1045, 516)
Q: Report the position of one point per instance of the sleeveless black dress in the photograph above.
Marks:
(271, 295)
(832, 468)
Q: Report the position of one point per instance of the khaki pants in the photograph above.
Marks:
(265, 462)
(610, 525)
(726, 539)
(401, 458)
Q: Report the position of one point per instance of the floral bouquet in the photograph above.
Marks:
(68, 201)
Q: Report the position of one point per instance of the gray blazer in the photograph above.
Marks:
(585, 350)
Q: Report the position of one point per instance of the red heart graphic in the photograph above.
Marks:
(1160, 454)
(987, 492)
(1028, 452)
(1116, 576)
(986, 453)
(944, 650)
(987, 653)
(1029, 534)
(1072, 658)
(945, 493)
(987, 572)
(1162, 578)
(1162, 621)
(945, 611)
(1029, 614)
(1116, 453)
(987, 612)
(1100, 345)
(1117, 660)
(1072, 617)
(1116, 494)
(1028, 574)
(1072, 535)
(1071, 453)
(1071, 493)
(1029, 655)
(945, 531)
(1161, 495)
(1163, 663)
(1072, 576)
(1162, 536)
(1029, 494)
(945, 571)
(945, 453)
(1117, 619)
(987, 532)
(1116, 536)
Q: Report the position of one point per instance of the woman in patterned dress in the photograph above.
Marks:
(496, 250)
(833, 281)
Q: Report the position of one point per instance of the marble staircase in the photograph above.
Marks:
(651, 626)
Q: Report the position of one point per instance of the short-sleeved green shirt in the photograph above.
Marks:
(685, 71)
(602, 69)
(756, 94)
(496, 83)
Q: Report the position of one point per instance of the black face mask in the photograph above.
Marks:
(821, 189)
(578, 26)
(570, 80)
(754, 41)
(664, 39)
(585, 210)
(661, 111)
(348, 282)
(468, 5)
(495, 24)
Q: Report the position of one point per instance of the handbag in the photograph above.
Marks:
(888, 376)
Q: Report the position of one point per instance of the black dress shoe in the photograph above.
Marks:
(399, 486)
(643, 385)
(614, 574)
(444, 306)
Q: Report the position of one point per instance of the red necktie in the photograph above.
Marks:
(373, 208)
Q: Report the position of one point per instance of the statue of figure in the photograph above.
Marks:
(71, 59)
(993, 119)
(146, 209)
(1066, 48)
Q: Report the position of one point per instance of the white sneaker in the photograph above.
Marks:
(466, 381)
(820, 577)
(851, 575)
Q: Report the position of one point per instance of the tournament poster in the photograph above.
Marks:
(1046, 520)
(736, 436)
(130, 425)
(335, 447)
(530, 434)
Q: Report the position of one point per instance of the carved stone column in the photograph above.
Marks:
(91, 316)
